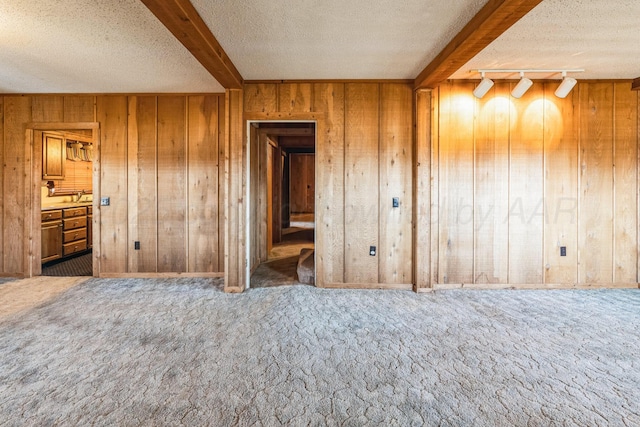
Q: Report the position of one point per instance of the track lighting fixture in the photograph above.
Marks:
(483, 87)
(524, 84)
(565, 87)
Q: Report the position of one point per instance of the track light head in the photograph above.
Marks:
(565, 87)
(483, 87)
(523, 85)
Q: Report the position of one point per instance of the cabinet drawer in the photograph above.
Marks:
(73, 235)
(51, 215)
(89, 210)
(69, 213)
(71, 223)
(72, 248)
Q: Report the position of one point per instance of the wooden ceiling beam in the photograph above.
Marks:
(487, 25)
(635, 84)
(184, 22)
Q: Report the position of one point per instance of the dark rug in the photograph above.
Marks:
(78, 266)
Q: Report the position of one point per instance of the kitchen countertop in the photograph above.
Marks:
(66, 205)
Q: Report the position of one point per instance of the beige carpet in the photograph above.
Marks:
(181, 352)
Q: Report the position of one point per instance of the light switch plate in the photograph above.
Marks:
(105, 201)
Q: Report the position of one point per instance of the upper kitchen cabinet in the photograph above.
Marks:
(53, 156)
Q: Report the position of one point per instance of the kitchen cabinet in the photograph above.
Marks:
(74, 225)
(65, 232)
(54, 156)
(51, 240)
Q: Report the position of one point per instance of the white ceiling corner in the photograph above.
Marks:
(600, 36)
(93, 46)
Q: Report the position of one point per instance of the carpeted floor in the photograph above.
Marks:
(77, 266)
(181, 352)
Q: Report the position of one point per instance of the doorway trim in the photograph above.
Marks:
(32, 230)
(282, 117)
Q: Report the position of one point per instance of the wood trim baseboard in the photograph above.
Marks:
(530, 286)
(389, 286)
(160, 275)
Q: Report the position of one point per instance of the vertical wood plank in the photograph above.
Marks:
(422, 191)
(330, 183)
(264, 196)
(34, 202)
(47, 108)
(434, 267)
(260, 98)
(271, 154)
(142, 180)
(310, 175)
(561, 186)
(203, 184)
(17, 112)
(276, 194)
(395, 180)
(456, 183)
(294, 97)
(79, 108)
(222, 187)
(132, 188)
(491, 200)
(254, 195)
(3, 143)
(361, 185)
(112, 116)
(596, 184)
(626, 184)
(235, 180)
(526, 192)
(172, 201)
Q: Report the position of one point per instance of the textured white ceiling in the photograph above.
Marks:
(600, 36)
(116, 46)
(334, 39)
(92, 46)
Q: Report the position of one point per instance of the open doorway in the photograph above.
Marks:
(282, 165)
(64, 174)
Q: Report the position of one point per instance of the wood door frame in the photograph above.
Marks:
(319, 120)
(32, 230)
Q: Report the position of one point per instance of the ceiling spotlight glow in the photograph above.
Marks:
(483, 87)
(523, 85)
(565, 87)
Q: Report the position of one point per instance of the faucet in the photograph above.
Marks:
(79, 195)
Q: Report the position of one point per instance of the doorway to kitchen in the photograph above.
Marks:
(282, 183)
(64, 178)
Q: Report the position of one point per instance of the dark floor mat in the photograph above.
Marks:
(79, 266)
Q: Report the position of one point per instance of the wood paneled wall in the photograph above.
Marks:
(160, 166)
(513, 181)
(303, 172)
(364, 160)
(16, 157)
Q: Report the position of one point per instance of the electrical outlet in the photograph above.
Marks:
(396, 202)
(563, 251)
(136, 245)
(372, 250)
(104, 201)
